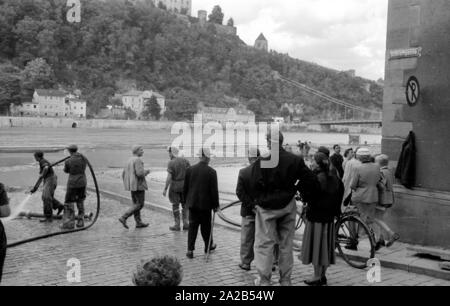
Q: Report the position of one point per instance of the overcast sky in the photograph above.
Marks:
(340, 34)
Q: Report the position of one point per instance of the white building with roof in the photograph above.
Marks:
(51, 103)
(136, 101)
(224, 115)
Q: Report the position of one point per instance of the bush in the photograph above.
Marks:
(159, 272)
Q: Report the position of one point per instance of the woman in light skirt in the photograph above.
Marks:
(319, 237)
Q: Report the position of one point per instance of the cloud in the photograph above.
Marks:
(340, 34)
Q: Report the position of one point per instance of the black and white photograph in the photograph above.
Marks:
(225, 149)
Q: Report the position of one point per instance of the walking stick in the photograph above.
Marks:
(210, 237)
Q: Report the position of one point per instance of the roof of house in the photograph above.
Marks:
(137, 93)
(214, 110)
(133, 93)
(77, 100)
(261, 37)
(51, 93)
(245, 112)
(223, 111)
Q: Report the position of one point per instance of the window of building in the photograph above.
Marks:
(34, 106)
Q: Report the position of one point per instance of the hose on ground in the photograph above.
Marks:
(97, 190)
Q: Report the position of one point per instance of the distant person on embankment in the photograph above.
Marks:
(75, 166)
(5, 211)
(48, 176)
(134, 180)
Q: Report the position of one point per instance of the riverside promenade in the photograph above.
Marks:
(108, 253)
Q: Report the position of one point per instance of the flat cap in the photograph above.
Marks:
(72, 147)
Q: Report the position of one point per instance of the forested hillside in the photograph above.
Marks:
(120, 43)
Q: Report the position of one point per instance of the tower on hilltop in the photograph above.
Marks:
(179, 6)
(261, 43)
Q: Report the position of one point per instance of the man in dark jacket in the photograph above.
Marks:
(48, 176)
(337, 161)
(202, 196)
(276, 210)
(75, 166)
(245, 191)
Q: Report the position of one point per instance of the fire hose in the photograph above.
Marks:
(15, 244)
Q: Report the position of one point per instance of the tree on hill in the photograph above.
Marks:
(230, 22)
(130, 114)
(216, 15)
(152, 109)
(9, 87)
(37, 74)
(162, 6)
(134, 41)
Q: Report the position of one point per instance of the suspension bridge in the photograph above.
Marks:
(350, 115)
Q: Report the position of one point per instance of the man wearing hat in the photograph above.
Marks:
(176, 173)
(134, 180)
(364, 185)
(75, 166)
(202, 196)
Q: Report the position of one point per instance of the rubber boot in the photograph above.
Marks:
(185, 220)
(69, 217)
(176, 227)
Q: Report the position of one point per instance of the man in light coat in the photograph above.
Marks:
(365, 186)
(134, 180)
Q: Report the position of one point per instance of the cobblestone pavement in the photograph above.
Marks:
(109, 254)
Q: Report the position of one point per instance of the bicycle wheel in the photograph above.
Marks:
(354, 241)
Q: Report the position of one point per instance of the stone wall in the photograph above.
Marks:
(422, 215)
(95, 124)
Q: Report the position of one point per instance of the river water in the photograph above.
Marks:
(110, 148)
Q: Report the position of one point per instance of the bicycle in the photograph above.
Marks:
(354, 239)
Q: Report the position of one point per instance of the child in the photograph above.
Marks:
(386, 200)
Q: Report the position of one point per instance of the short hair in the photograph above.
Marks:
(324, 150)
(335, 146)
(39, 154)
(347, 152)
(280, 137)
(135, 149)
(383, 160)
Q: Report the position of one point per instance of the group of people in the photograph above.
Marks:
(268, 197)
(192, 191)
(331, 183)
(75, 167)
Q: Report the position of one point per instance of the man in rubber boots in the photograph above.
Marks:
(48, 176)
(134, 180)
(176, 169)
(75, 166)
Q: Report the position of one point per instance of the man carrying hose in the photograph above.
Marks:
(75, 166)
(47, 175)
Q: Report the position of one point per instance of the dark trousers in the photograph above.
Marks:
(138, 198)
(48, 197)
(198, 219)
(247, 240)
(3, 243)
